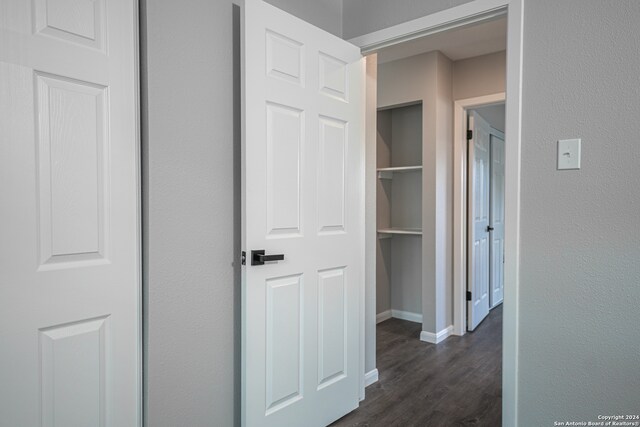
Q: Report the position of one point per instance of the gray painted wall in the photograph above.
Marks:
(478, 76)
(580, 230)
(381, 147)
(190, 126)
(365, 16)
(406, 274)
(188, 195)
(326, 14)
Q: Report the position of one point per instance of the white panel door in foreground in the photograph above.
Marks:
(69, 264)
(303, 158)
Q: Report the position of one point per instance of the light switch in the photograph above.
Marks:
(569, 154)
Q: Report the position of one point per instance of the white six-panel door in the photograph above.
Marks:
(302, 198)
(69, 264)
(496, 271)
(478, 246)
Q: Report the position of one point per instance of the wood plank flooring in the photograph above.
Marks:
(455, 383)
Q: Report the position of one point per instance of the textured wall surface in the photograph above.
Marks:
(482, 75)
(365, 16)
(326, 14)
(580, 230)
(190, 294)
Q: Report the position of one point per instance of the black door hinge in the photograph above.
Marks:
(468, 295)
(244, 258)
(469, 135)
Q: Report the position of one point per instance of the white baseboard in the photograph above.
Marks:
(398, 314)
(407, 315)
(370, 377)
(436, 338)
(381, 317)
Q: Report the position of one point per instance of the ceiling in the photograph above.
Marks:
(460, 43)
(494, 115)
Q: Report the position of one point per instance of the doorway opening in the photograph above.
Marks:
(485, 211)
(421, 201)
(424, 178)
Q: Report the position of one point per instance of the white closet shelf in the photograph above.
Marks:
(387, 173)
(388, 232)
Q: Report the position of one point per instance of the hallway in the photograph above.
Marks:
(456, 383)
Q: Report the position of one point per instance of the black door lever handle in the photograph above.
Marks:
(259, 258)
(489, 228)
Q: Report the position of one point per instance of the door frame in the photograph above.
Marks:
(460, 208)
(139, 159)
(495, 133)
(477, 11)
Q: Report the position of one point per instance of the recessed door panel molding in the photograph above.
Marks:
(332, 326)
(284, 58)
(333, 77)
(496, 214)
(76, 21)
(497, 271)
(481, 270)
(285, 135)
(284, 342)
(74, 369)
(73, 170)
(332, 154)
(481, 184)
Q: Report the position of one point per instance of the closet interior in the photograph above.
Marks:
(399, 212)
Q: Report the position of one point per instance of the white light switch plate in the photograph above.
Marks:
(569, 154)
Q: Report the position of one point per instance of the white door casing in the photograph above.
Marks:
(303, 170)
(478, 202)
(496, 218)
(69, 209)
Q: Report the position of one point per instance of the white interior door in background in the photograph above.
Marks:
(478, 197)
(303, 177)
(69, 247)
(496, 218)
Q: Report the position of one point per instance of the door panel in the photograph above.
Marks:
(332, 330)
(73, 364)
(331, 175)
(69, 252)
(284, 351)
(497, 217)
(302, 197)
(478, 277)
(284, 149)
(72, 135)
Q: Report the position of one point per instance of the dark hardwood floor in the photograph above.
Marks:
(455, 383)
